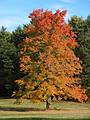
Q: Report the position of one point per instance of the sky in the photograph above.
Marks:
(15, 12)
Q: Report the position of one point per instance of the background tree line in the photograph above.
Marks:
(10, 53)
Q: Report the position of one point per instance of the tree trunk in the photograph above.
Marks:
(47, 104)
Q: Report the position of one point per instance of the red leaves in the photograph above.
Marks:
(47, 58)
(78, 93)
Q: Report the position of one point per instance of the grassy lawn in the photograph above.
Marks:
(36, 111)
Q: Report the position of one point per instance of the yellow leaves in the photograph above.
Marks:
(20, 82)
(25, 59)
(47, 59)
(29, 29)
(27, 41)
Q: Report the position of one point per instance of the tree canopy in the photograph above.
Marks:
(48, 61)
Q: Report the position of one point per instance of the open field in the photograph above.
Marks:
(58, 110)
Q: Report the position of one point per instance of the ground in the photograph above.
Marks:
(60, 110)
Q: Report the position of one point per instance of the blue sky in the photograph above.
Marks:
(15, 12)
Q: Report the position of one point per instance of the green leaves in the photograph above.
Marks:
(8, 58)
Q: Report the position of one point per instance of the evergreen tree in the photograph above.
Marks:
(82, 30)
(88, 21)
(8, 58)
(18, 35)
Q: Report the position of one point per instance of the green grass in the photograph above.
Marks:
(36, 111)
(58, 105)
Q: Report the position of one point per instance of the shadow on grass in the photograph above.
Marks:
(20, 109)
(44, 119)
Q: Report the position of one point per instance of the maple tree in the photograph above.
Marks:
(48, 61)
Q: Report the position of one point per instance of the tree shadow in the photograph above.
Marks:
(20, 109)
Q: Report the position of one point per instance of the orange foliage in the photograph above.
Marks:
(46, 57)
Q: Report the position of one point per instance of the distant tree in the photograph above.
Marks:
(78, 25)
(88, 21)
(47, 60)
(83, 49)
(18, 35)
(8, 57)
(85, 52)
